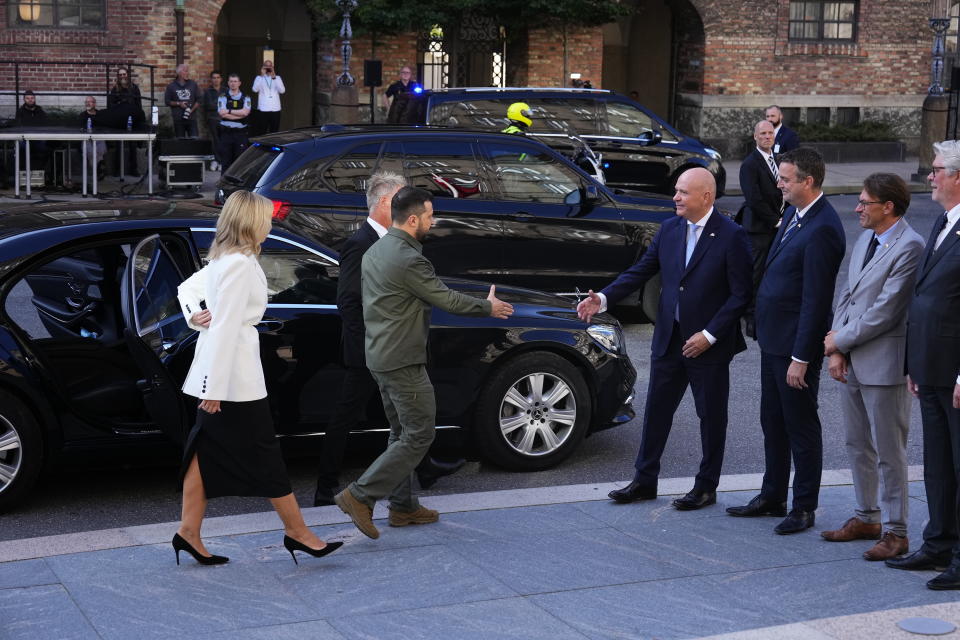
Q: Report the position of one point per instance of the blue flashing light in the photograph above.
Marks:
(606, 165)
(256, 144)
(417, 89)
(276, 148)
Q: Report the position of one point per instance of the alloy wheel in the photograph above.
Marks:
(538, 414)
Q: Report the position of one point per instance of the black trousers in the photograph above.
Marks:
(670, 376)
(269, 121)
(791, 427)
(355, 393)
(941, 469)
(232, 143)
(759, 249)
(185, 128)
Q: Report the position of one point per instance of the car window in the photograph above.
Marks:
(445, 169)
(527, 175)
(295, 274)
(550, 115)
(628, 121)
(155, 282)
(246, 171)
(347, 174)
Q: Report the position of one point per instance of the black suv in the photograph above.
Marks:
(508, 209)
(640, 150)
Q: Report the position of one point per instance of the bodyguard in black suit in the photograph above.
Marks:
(785, 138)
(793, 313)
(762, 199)
(703, 259)
(358, 385)
(933, 366)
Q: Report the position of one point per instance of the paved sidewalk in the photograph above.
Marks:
(843, 177)
(552, 563)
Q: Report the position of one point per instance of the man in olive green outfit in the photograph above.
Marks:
(399, 288)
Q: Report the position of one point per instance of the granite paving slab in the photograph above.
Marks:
(506, 619)
(26, 573)
(313, 630)
(42, 613)
(389, 580)
(680, 608)
(557, 561)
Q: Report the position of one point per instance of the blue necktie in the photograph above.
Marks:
(691, 241)
(794, 221)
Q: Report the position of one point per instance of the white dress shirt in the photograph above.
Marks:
(952, 216)
(226, 365)
(268, 89)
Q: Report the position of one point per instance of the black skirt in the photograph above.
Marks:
(237, 451)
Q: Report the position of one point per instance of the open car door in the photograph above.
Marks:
(156, 330)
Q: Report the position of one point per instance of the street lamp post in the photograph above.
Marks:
(344, 102)
(933, 124)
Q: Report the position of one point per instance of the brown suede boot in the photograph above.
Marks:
(853, 529)
(890, 546)
(420, 516)
(361, 514)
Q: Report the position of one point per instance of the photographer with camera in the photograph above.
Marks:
(268, 86)
(181, 96)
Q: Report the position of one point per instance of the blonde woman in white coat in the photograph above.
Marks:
(232, 448)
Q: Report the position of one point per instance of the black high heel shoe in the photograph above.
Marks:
(179, 544)
(295, 545)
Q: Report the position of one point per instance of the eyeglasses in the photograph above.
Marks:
(934, 170)
(864, 203)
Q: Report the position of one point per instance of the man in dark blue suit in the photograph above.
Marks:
(933, 365)
(785, 139)
(703, 259)
(793, 313)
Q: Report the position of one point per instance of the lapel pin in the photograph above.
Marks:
(714, 235)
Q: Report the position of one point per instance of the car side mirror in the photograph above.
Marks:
(649, 138)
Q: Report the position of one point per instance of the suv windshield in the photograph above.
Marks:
(247, 170)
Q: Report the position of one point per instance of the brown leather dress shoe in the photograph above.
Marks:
(890, 546)
(854, 529)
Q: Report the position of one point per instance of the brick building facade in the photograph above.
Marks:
(710, 66)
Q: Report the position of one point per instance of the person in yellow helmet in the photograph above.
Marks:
(519, 115)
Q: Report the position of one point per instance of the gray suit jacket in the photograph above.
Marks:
(871, 314)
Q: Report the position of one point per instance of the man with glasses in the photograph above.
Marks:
(793, 313)
(866, 352)
(933, 369)
(398, 95)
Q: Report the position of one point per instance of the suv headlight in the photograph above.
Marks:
(713, 153)
(608, 336)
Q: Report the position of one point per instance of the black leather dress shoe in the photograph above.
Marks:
(920, 560)
(430, 470)
(696, 499)
(324, 496)
(797, 521)
(759, 507)
(949, 579)
(633, 492)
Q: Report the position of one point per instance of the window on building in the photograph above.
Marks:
(848, 116)
(818, 115)
(823, 20)
(57, 14)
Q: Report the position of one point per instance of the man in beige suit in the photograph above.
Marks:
(866, 350)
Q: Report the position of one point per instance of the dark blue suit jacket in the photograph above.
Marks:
(349, 299)
(795, 299)
(787, 139)
(713, 290)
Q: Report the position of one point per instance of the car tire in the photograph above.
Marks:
(513, 420)
(21, 451)
(650, 298)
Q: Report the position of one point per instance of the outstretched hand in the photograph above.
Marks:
(498, 308)
(589, 306)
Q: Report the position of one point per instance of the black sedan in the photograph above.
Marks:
(94, 347)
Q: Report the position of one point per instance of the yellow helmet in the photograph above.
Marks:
(520, 112)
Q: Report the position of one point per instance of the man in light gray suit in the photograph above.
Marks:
(866, 350)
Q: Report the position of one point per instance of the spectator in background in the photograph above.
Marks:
(234, 109)
(268, 86)
(211, 112)
(397, 94)
(125, 98)
(30, 114)
(785, 138)
(181, 96)
(96, 148)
